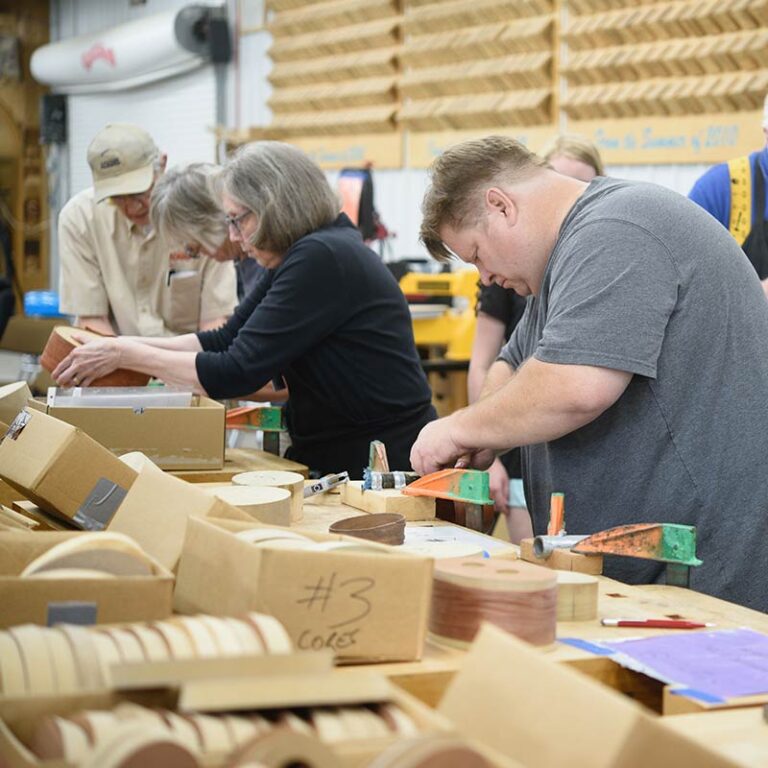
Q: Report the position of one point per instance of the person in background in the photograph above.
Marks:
(329, 318)
(745, 213)
(117, 274)
(184, 210)
(498, 313)
(628, 393)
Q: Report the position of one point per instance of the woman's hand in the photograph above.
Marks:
(88, 362)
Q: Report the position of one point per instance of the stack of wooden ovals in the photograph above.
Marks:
(270, 505)
(80, 738)
(275, 538)
(70, 659)
(102, 555)
(290, 481)
(62, 341)
(516, 596)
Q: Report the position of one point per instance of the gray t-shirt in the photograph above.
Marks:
(642, 280)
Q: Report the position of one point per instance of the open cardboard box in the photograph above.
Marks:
(224, 685)
(63, 470)
(543, 714)
(174, 438)
(366, 607)
(122, 598)
(157, 508)
(29, 335)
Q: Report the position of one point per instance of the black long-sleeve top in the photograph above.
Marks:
(332, 321)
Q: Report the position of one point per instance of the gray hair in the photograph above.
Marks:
(184, 208)
(288, 193)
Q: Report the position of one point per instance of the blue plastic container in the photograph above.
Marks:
(42, 304)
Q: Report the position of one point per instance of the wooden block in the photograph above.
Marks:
(563, 560)
(576, 596)
(266, 504)
(390, 500)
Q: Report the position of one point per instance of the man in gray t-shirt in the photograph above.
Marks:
(638, 376)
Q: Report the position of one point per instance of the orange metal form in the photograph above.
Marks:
(269, 418)
(469, 485)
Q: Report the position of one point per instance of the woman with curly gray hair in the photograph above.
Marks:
(328, 318)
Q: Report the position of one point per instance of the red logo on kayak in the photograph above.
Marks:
(98, 51)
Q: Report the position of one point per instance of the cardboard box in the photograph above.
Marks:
(174, 438)
(364, 607)
(157, 508)
(62, 470)
(29, 334)
(23, 601)
(529, 708)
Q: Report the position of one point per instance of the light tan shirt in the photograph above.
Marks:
(109, 266)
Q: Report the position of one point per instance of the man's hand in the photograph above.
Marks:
(89, 362)
(435, 449)
(764, 283)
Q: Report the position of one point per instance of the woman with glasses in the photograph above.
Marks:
(328, 318)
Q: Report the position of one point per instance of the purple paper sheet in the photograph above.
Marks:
(725, 663)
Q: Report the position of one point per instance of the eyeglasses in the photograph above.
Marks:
(235, 221)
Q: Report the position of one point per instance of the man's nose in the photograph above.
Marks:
(485, 275)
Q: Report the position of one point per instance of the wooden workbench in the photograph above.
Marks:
(238, 460)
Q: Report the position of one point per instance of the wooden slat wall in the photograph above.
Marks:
(477, 64)
(335, 68)
(415, 68)
(684, 57)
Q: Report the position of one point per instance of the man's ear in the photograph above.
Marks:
(499, 202)
(163, 161)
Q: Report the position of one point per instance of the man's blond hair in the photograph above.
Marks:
(459, 178)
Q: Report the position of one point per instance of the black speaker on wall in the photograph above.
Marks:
(53, 119)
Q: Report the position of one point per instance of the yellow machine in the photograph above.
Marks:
(443, 310)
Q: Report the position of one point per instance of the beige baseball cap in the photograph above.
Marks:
(121, 157)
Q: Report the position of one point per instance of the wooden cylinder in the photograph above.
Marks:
(61, 342)
(268, 505)
(518, 597)
(291, 481)
(576, 596)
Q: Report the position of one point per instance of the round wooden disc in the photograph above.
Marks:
(272, 633)
(61, 342)
(282, 748)
(202, 639)
(12, 680)
(247, 636)
(329, 726)
(440, 550)
(361, 723)
(399, 721)
(266, 504)
(350, 546)
(36, 659)
(216, 736)
(430, 751)
(293, 722)
(576, 596)
(259, 535)
(63, 662)
(90, 670)
(226, 641)
(70, 573)
(135, 745)
(137, 461)
(241, 729)
(152, 644)
(183, 730)
(131, 649)
(177, 638)
(107, 653)
(99, 725)
(105, 551)
(58, 738)
(291, 481)
(495, 574)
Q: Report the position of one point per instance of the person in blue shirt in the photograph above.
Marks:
(716, 190)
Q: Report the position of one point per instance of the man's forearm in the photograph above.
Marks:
(537, 403)
(187, 342)
(499, 374)
(98, 323)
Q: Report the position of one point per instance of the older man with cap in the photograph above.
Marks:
(117, 275)
(734, 193)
